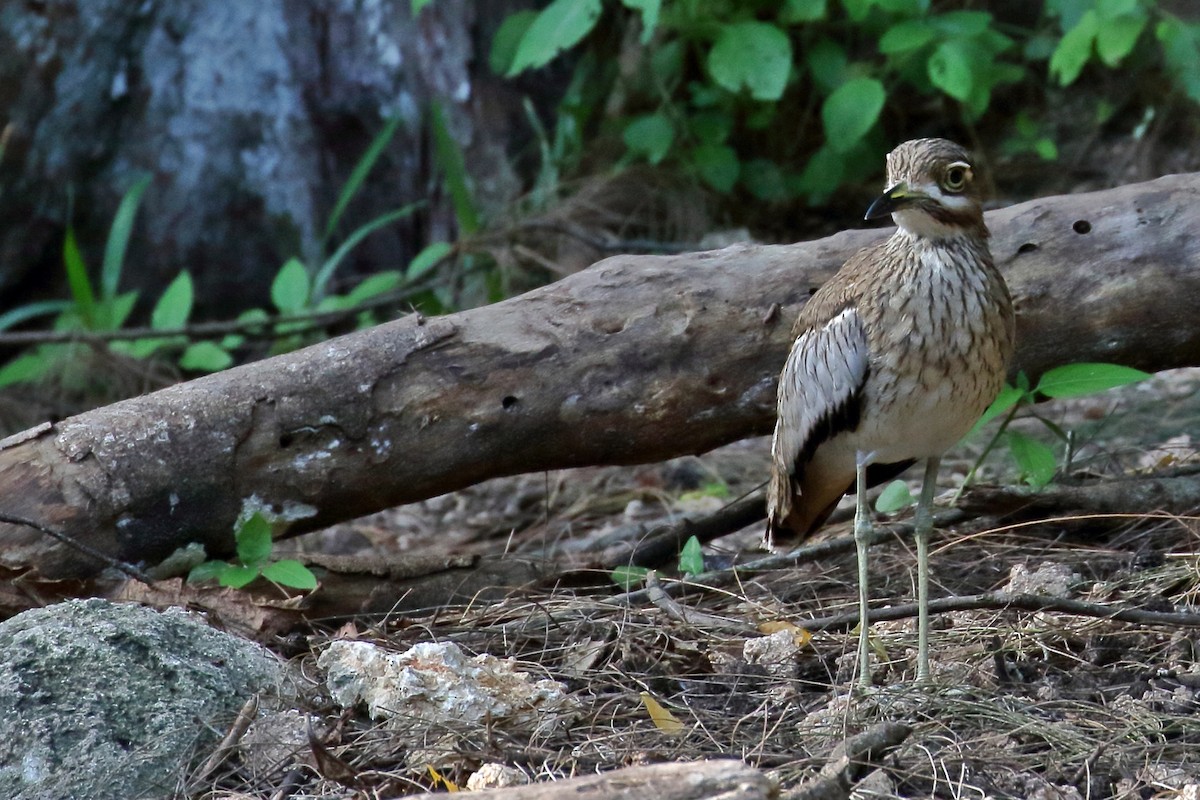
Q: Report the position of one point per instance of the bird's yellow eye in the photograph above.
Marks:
(957, 175)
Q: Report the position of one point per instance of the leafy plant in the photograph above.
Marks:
(1036, 460)
(691, 562)
(254, 544)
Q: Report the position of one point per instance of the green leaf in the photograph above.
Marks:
(907, 36)
(1035, 460)
(951, 69)
(507, 38)
(175, 306)
(39, 308)
(374, 285)
(629, 578)
(236, 576)
(418, 5)
(208, 571)
(717, 166)
(827, 62)
(359, 174)
(650, 136)
(559, 26)
(118, 238)
(751, 55)
(1073, 380)
(894, 497)
(27, 368)
(1116, 37)
(851, 111)
(290, 289)
(962, 24)
(822, 174)
(449, 158)
(691, 557)
(254, 540)
(1009, 396)
(764, 179)
(205, 357)
(649, 9)
(797, 11)
(289, 572)
(1074, 49)
(427, 259)
(112, 314)
(321, 282)
(1181, 51)
(78, 280)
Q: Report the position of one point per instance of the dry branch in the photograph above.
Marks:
(851, 761)
(636, 359)
(719, 779)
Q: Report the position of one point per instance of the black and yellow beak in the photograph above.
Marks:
(893, 199)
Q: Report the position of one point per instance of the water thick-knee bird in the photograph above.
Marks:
(894, 360)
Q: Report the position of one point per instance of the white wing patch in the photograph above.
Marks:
(824, 371)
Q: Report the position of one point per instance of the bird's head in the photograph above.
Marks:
(932, 190)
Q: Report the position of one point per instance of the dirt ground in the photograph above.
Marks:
(1032, 704)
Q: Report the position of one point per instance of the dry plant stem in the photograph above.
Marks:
(718, 779)
(850, 762)
(634, 360)
(1176, 494)
(1000, 601)
(697, 619)
(128, 570)
(229, 743)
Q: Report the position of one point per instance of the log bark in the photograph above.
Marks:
(719, 779)
(633, 360)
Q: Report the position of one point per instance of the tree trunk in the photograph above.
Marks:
(636, 359)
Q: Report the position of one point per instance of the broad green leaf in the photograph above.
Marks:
(663, 719)
(691, 557)
(1113, 9)
(827, 62)
(427, 259)
(717, 165)
(649, 9)
(1181, 51)
(1009, 396)
(288, 572)
(851, 111)
(1035, 460)
(650, 136)
(205, 357)
(373, 286)
(1074, 49)
(628, 578)
(822, 174)
(236, 576)
(290, 289)
(78, 280)
(962, 24)
(752, 55)
(764, 179)
(951, 70)
(175, 306)
(907, 36)
(118, 238)
(208, 571)
(1073, 380)
(254, 540)
(27, 368)
(710, 127)
(559, 26)
(797, 11)
(894, 497)
(418, 5)
(506, 39)
(1116, 37)
(39, 308)
(359, 174)
(111, 315)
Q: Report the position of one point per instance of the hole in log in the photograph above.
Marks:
(1028, 247)
(1082, 226)
(508, 402)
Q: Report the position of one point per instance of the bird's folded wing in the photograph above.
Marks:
(820, 389)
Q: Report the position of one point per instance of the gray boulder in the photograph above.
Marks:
(101, 700)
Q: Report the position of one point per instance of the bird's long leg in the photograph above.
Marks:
(862, 540)
(922, 525)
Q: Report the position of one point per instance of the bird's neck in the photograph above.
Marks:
(921, 226)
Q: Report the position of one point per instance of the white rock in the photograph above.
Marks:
(496, 776)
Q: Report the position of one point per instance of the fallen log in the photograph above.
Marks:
(636, 359)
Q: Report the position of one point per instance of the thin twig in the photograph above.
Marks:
(1002, 601)
(697, 619)
(128, 569)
